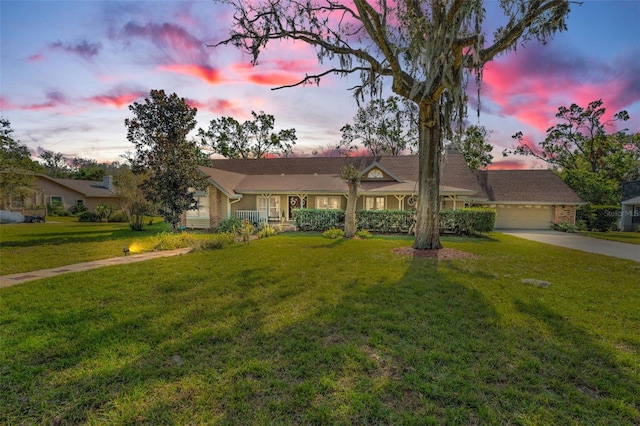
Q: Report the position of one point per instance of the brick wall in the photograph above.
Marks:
(564, 214)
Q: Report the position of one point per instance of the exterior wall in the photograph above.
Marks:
(630, 217)
(69, 197)
(564, 214)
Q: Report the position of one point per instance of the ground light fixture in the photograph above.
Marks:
(125, 251)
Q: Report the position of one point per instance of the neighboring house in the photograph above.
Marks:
(70, 193)
(630, 217)
(270, 189)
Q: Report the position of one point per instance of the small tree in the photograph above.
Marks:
(252, 139)
(132, 200)
(351, 176)
(164, 157)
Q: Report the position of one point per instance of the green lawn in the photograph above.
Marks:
(623, 237)
(299, 329)
(63, 240)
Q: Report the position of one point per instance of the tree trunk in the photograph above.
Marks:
(350, 213)
(429, 155)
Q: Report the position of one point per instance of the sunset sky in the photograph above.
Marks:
(70, 69)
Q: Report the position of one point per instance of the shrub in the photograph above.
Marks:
(170, 241)
(469, 221)
(213, 244)
(385, 221)
(333, 233)
(599, 218)
(118, 217)
(318, 219)
(232, 224)
(364, 234)
(87, 216)
(564, 227)
(266, 231)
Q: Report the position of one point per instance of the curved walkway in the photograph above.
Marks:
(10, 280)
(580, 242)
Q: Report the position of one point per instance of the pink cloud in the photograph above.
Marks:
(531, 87)
(203, 72)
(216, 106)
(274, 78)
(53, 100)
(37, 57)
(174, 41)
(118, 98)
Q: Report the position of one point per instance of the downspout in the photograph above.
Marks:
(229, 202)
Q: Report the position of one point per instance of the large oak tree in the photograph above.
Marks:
(426, 48)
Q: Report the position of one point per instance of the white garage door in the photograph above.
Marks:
(524, 217)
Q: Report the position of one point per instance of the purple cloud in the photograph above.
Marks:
(84, 48)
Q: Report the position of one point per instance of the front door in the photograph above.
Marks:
(296, 203)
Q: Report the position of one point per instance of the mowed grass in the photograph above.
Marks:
(63, 240)
(299, 329)
(622, 237)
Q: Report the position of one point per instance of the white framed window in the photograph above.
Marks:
(374, 203)
(269, 207)
(328, 202)
(79, 203)
(56, 201)
(202, 207)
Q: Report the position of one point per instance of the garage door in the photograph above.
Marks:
(524, 217)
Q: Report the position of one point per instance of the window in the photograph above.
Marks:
(56, 201)
(374, 203)
(375, 174)
(269, 207)
(202, 207)
(79, 203)
(328, 203)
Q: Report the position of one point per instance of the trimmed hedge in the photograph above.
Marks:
(462, 221)
(599, 218)
(468, 221)
(318, 220)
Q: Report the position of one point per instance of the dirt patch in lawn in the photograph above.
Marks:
(440, 254)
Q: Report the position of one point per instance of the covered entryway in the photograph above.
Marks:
(518, 216)
(296, 202)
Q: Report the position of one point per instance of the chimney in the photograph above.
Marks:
(107, 182)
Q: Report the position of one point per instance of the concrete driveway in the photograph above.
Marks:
(579, 242)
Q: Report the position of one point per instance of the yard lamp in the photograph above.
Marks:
(125, 250)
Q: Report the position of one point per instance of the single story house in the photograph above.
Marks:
(630, 214)
(270, 189)
(71, 193)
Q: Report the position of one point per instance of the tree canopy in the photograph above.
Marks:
(164, 155)
(475, 148)
(427, 49)
(252, 139)
(16, 167)
(383, 127)
(589, 158)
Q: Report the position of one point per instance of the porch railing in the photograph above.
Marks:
(252, 216)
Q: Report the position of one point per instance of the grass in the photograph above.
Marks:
(63, 240)
(623, 237)
(298, 329)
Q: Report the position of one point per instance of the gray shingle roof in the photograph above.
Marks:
(321, 174)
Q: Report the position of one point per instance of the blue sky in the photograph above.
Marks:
(69, 70)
